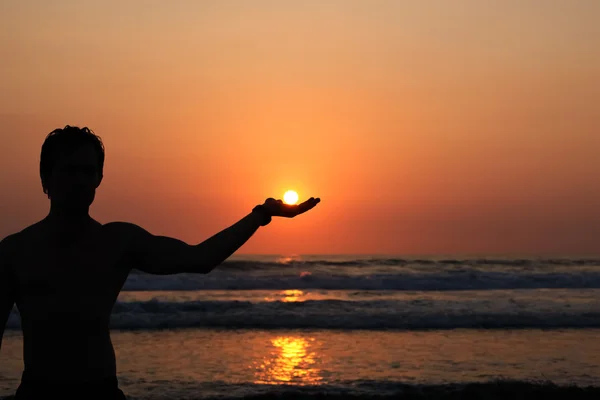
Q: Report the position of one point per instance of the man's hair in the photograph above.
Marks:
(64, 140)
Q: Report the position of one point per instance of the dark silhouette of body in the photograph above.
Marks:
(65, 272)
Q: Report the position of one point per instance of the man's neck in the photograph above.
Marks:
(68, 221)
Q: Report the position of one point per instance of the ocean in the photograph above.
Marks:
(355, 327)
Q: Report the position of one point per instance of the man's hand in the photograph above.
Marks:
(278, 208)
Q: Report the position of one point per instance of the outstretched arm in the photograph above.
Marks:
(163, 255)
(7, 286)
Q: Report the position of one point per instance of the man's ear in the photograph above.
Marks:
(45, 179)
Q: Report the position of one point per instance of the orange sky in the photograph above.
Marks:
(426, 128)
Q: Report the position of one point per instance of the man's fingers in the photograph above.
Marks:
(307, 205)
(304, 206)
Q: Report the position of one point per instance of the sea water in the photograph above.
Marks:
(348, 325)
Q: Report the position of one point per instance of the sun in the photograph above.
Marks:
(290, 197)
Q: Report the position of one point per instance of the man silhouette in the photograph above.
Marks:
(65, 272)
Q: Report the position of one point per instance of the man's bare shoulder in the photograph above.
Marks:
(15, 240)
(129, 235)
(6, 245)
(8, 241)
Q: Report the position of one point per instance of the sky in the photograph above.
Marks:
(426, 127)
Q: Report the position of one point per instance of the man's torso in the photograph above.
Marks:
(65, 293)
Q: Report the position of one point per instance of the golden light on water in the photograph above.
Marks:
(292, 361)
(292, 296)
(290, 197)
(289, 259)
(288, 296)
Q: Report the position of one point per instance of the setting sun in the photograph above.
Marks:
(290, 197)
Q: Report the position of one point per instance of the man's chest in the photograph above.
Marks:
(83, 271)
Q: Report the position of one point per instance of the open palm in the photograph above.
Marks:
(278, 208)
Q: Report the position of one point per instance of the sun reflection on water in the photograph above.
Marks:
(287, 296)
(290, 362)
(288, 259)
(291, 296)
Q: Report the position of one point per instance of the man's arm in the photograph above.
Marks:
(163, 255)
(7, 287)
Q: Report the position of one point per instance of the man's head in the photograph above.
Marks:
(71, 166)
